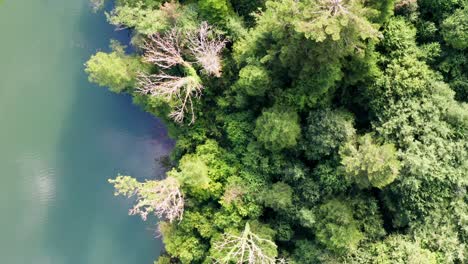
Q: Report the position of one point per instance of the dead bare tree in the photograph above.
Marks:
(163, 198)
(164, 51)
(244, 248)
(173, 88)
(206, 46)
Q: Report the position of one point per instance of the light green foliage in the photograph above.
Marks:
(192, 172)
(278, 197)
(455, 29)
(203, 171)
(385, 9)
(433, 154)
(254, 80)
(277, 129)
(369, 164)
(126, 185)
(399, 37)
(395, 249)
(337, 20)
(336, 228)
(114, 70)
(149, 21)
(276, 134)
(185, 246)
(445, 232)
(405, 77)
(326, 131)
(215, 11)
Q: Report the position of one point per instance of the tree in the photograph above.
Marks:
(253, 80)
(114, 70)
(166, 52)
(455, 29)
(206, 47)
(277, 129)
(369, 164)
(326, 131)
(401, 250)
(148, 21)
(163, 198)
(336, 19)
(246, 247)
(336, 228)
(278, 197)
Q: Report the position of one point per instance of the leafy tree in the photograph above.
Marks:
(114, 70)
(278, 197)
(337, 20)
(336, 228)
(254, 80)
(276, 137)
(192, 172)
(182, 244)
(394, 249)
(278, 129)
(326, 131)
(369, 164)
(455, 29)
(150, 21)
(215, 11)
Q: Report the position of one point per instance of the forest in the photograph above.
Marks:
(307, 131)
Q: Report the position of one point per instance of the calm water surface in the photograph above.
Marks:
(61, 138)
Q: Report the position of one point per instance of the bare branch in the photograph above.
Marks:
(164, 199)
(163, 51)
(206, 46)
(172, 88)
(244, 248)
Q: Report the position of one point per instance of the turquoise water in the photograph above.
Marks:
(61, 138)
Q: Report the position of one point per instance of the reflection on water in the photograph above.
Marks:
(62, 138)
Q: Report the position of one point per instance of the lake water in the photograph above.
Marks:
(61, 138)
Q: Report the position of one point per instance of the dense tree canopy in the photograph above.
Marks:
(311, 131)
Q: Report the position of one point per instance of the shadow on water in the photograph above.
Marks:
(102, 135)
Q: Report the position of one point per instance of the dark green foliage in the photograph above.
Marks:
(335, 133)
(326, 131)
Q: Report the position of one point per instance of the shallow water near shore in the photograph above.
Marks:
(61, 138)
